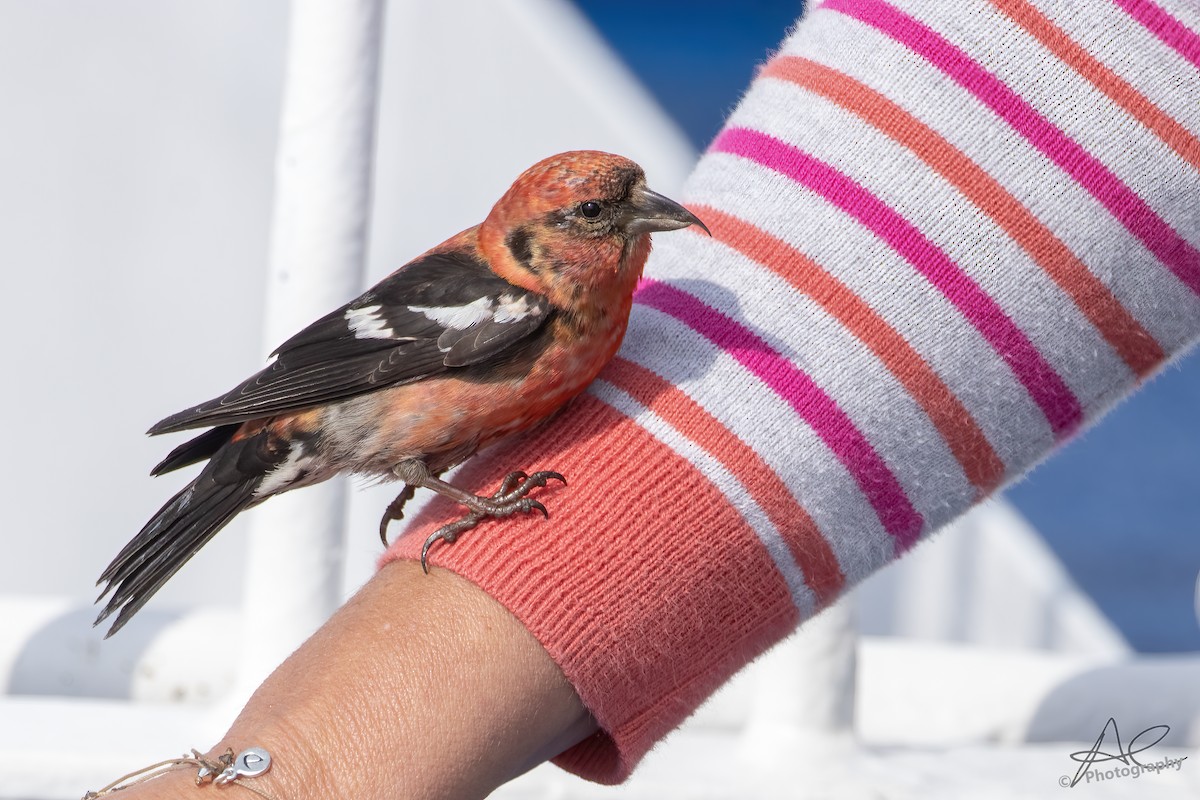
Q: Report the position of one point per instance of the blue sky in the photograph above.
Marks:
(1120, 504)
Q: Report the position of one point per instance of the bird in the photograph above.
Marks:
(481, 337)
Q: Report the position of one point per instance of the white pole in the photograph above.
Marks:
(318, 252)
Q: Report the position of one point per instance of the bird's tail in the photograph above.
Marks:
(169, 539)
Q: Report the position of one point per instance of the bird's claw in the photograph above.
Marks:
(448, 534)
(545, 475)
(509, 499)
(510, 482)
(395, 510)
(518, 484)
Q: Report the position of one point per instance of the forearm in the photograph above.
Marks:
(420, 686)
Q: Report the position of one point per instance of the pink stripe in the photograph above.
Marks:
(1041, 381)
(822, 414)
(1122, 202)
(1174, 33)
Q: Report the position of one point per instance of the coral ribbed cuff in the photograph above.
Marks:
(643, 639)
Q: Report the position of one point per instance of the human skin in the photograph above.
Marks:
(419, 687)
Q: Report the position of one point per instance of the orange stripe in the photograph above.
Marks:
(808, 546)
(1124, 94)
(1130, 340)
(966, 440)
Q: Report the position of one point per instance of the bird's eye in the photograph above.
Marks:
(590, 209)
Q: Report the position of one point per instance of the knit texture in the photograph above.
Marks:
(945, 236)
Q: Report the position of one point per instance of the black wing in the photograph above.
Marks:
(442, 311)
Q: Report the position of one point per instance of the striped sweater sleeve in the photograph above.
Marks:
(945, 236)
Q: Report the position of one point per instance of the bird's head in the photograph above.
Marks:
(577, 226)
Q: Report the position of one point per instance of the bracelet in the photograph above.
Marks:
(226, 769)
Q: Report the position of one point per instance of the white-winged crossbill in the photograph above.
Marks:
(485, 335)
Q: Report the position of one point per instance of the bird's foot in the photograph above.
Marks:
(509, 499)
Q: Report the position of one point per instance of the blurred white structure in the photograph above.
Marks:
(319, 233)
(139, 144)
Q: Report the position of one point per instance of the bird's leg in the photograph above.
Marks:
(395, 510)
(508, 500)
